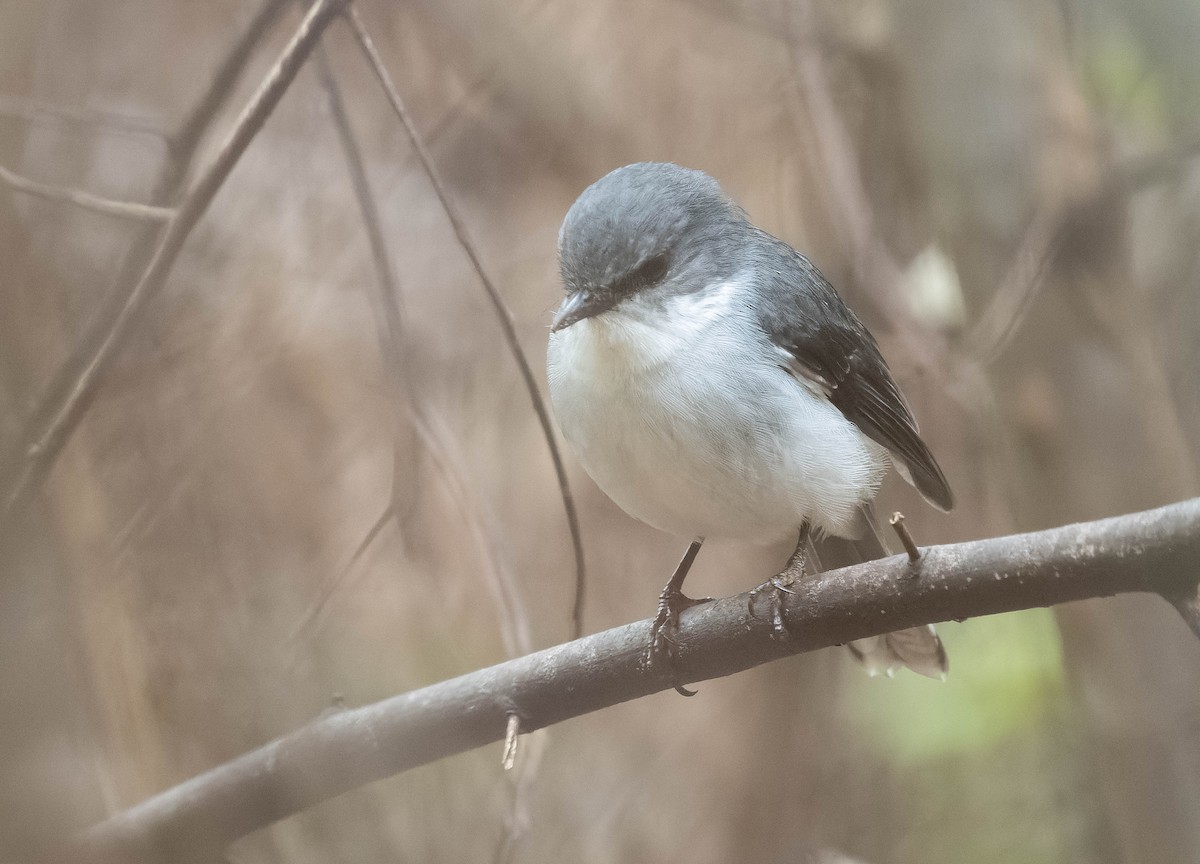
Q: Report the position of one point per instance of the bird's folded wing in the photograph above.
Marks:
(824, 343)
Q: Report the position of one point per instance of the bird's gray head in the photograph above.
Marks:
(648, 227)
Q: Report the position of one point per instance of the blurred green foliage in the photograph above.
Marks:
(1007, 719)
(1015, 681)
(1124, 83)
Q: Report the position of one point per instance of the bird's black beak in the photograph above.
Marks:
(580, 305)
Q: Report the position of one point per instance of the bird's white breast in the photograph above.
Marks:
(680, 411)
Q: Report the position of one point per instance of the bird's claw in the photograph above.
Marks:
(663, 645)
(775, 588)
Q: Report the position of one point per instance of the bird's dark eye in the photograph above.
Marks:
(652, 270)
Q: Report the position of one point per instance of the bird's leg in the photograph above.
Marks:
(782, 583)
(671, 602)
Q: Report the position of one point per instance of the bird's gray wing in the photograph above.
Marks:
(822, 341)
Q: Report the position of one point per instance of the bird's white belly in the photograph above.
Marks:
(698, 433)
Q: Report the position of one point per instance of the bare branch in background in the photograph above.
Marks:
(873, 264)
(503, 315)
(1043, 240)
(85, 200)
(330, 585)
(392, 334)
(191, 133)
(54, 420)
(485, 530)
(1156, 551)
(34, 110)
(1015, 295)
(514, 623)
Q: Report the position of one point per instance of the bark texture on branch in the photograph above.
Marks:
(1156, 551)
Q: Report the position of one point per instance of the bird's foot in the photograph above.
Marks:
(775, 588)
(664, 645)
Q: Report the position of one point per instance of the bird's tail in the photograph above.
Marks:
(918, 648)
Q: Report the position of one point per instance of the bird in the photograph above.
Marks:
(714, 384)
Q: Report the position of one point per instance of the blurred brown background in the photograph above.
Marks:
(1004, 191)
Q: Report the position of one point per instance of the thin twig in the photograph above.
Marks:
(35, 110)
(41, 453)
(391, 337)
(481, 521)
(1045, 236)
(906, 538)
(515, 632)
(190, 134)
(390, 334)
(1018, 289)
(515, 627)
(325, 592)
(50, 425)
(873, 264)
(85, 200)
(1155, 551)
(521, 778)
(503, 315)
(512, 734)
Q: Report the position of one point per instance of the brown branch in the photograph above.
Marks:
(48, 429)
(1015, 295)
(85, 200)
(514, 617)
(35, 110)
(329, 586)
(391, 335)
(39, 452)
(1156, 551)
(1045, 236)
(503, 315)
(874, 266)
(185, 142)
